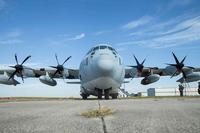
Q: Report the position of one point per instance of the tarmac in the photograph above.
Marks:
(152, 115)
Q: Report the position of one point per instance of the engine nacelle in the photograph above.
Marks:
(190, 78)
(4, 80)
(150, 79)
(47, 80)
(171, 70)
(27, 72)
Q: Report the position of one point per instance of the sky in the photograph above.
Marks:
(150, 29)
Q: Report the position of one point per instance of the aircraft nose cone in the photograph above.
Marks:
(105, 66)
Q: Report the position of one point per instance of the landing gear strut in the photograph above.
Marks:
(198, 88)
(114, 96)
(99, 94)
(106, 93)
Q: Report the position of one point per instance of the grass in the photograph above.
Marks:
(98, 113)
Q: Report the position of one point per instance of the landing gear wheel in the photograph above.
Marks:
(84, 96)
(198, 91)
(99, 94)
(106, 92)
(114, 96)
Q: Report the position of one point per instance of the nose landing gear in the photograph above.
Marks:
(106, 93)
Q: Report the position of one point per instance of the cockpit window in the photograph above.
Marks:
(112, 49)
(96, 48)
(89, 51)
(103, 47)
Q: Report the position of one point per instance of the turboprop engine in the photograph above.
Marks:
(150, 79)
(48, 80)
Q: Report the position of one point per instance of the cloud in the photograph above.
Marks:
(175, 3)
(178, 31)
(101, 32)
(77, 37)
(10, 41)
(12, 37)
(121, 49)
(14, 34)
(136, 23)
(62, 39)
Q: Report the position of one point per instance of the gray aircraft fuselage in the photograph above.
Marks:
(101, 70)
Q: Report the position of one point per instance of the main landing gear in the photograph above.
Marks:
(99, 93)
(106, 94)
(84, 96)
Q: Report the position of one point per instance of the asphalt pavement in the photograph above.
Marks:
(131, 115)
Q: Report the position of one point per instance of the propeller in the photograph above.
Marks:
(18, 67)
(59, 68)
(139, 65)
(179, 66)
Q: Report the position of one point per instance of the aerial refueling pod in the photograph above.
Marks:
(150, 79)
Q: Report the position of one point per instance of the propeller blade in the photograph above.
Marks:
(21, 75)
(190, 67)
(184, 75)
(53, 67)
(136, 60)
(132, 66)
(57, 59)
(66, 60)
(171, 64)
(16, 59)
(143, 61)
(183, 59)
(174, 73)
(177, 62)
(25, 59)
(55, 73)
(12, 66)
(12, 75)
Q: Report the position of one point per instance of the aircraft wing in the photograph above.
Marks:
(6, 69)
(73, 73)
(70, 73)
(132, 73)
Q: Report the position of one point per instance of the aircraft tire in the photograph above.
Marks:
(99, 94)
(114, 96)
(106, 94)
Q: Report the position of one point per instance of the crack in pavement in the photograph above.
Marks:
(102, 119)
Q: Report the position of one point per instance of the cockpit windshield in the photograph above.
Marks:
(92, 50)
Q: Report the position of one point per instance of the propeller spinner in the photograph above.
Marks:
(18, 67)
(59, 68)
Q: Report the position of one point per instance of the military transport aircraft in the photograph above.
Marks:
(101, 72)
